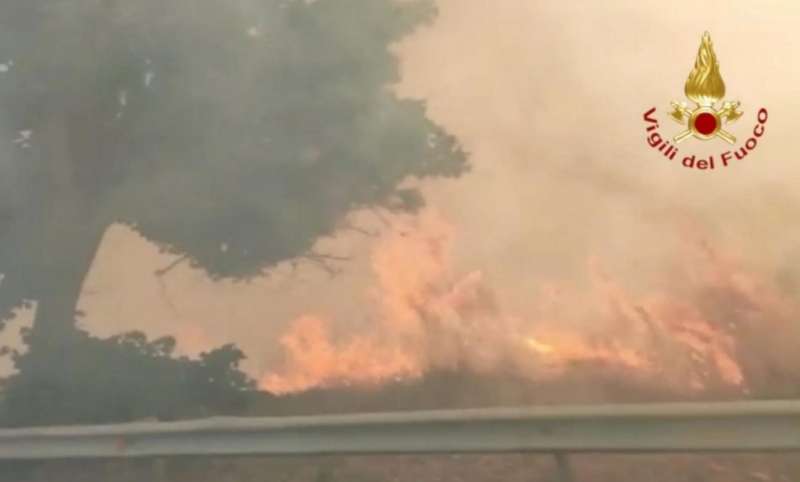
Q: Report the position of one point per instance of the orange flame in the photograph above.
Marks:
(314, 361)
(430, 318)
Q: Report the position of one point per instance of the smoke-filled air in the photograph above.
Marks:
(223, 207)
(292, 207)
(566, 254)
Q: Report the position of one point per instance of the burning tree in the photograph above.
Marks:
(232, 134)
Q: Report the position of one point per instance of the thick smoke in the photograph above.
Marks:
(699, 289)
(722, 330)
(230, 134)
(548, 100)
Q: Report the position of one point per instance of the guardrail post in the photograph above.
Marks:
(564, 471)
(159, 470)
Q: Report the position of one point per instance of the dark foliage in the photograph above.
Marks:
(232, 133)
(235, 150)
(123, 378)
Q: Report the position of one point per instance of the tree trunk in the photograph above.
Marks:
(69, 229)
(60, 291)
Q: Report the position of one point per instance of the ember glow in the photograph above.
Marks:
(431, 317)
(314, 360)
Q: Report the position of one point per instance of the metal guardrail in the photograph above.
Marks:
(680, 427)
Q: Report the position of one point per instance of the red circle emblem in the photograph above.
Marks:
(705, 124)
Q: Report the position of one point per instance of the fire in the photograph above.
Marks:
(563, 349)
(540, 347)
(429, 317)
(316, 362)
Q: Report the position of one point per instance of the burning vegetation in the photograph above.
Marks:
(719, 331)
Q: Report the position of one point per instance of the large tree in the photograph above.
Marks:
(232, 132)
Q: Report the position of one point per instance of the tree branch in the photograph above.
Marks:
(163, 271)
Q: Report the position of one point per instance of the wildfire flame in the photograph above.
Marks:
(315, 361)
(724, 329)
(705, 85)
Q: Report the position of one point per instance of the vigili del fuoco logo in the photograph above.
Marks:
(707, 119)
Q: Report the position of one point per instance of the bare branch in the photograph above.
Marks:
(352, 227)
(163, 271)
(381, 216)
(325, 261)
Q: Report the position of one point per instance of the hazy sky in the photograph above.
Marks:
(548, 98)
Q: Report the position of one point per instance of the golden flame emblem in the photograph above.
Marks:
(705, 88)
(705, 85)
